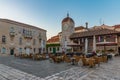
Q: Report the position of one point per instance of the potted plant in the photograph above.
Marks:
(111, 50)
(103, 51)
(97, 51)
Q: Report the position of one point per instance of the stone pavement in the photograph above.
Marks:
(8, 73)
(40, 68)
(106, 71)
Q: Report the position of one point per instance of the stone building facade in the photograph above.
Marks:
(100, 39)
(16, 38)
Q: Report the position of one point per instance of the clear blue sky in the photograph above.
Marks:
(48, 14)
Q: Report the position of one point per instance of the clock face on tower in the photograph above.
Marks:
(65, 27)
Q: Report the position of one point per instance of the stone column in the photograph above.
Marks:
(79, 44)
(116, 39)
(65, 46)
(41, 46)
(72, 46)
(104, 38)
(78, 41)
(94, 43)
(86, 45)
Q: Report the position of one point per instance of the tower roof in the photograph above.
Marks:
(67, 19)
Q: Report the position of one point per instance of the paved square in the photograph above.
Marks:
(41, 68)
(62, 71)
(106, 71)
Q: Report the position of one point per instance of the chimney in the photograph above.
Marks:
(86, 25)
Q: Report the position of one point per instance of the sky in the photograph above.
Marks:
(48, 14)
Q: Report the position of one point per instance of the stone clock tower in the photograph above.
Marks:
(67, 29)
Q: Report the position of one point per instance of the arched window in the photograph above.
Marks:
(3, 50)
(34, 50)
(23, 31)
(20, 41)
(3, 39)
(20, 50)
(27, 32)
(12, 29)
(30, 33)
(40, 36)
(34, 41)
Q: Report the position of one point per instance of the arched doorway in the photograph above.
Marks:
(11, 51)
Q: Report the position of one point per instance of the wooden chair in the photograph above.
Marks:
(31, 55)
(57, 59)
(77, 58)
(85, 62)
(62, 57)
(43, 56)
(37, 56)
(50, 55)
(68, 60)
(97, 60)
(101, 59)
(25, 55)
(52, 59)
(91, 62)
(104, 58)
(15, 55)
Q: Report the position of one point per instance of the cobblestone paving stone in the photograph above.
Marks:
(106, 71)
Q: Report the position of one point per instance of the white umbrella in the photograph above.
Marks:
(94, 43)
(86, 45)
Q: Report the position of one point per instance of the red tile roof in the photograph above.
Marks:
(79, 28)
(53, 39)
(116, 26)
